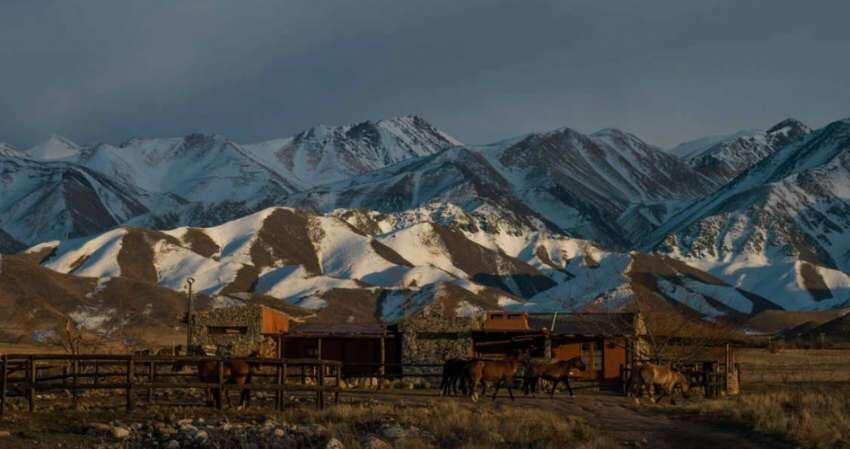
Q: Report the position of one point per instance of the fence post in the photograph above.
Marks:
(96, 372)
(220, 378)
(338, 369)
(382, 370)
(3, 382)
(31, 378)
(320, 390)
(151, 379)
(130, 375)
(75, 379)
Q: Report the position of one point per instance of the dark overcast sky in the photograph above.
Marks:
(482, 70)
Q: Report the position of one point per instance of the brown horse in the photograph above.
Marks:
(235, 371)
(648, 376)
(498, 371)
(555, 372)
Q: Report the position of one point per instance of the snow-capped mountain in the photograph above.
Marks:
(781, 229)
(317, 261)
(54, 148)
(323, 154)
(687, 149)
(561, 180)
(728, 158)
(198, 167)
(56, 200)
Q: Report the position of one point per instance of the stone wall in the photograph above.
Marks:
(430, 337)
(248, 317)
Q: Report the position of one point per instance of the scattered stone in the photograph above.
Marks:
(279, 433)
(120, 432)
(333, 443)
(393, 432)
(173, 444)
(377, 443)
(202, 435)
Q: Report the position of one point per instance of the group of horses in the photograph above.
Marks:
(466, 376)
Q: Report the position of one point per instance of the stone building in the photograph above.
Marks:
(435, 334)
(237, 330)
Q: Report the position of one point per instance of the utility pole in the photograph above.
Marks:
(189, 307)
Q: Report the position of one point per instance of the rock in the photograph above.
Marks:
(279, 433)
(377, 443)
(393, 432)
(333, 443)
(185, 422)
(202, 435)
(173, 444)
(188, 428)
(120, 432)
(99, 429)
(226, 427)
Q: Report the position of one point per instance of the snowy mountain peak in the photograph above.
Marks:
(789, 126)
(54, 148)
(10, 151)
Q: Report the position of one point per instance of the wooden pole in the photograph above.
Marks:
(218, 398)
(31, 375)
(130, 375)
(3, 383)
(96, 372)
(320, 390)
(278, 397)
(151, 379)
(382, 369)
(75, 379)
(338, 369)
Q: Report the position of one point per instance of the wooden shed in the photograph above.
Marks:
(605, 341)
(362, 348)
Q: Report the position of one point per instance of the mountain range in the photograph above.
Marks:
(400, 213)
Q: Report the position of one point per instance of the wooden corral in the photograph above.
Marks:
(365, 350)
(606, 342)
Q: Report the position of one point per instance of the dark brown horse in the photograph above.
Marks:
(555, 372)
(455, 377)
(235, 371)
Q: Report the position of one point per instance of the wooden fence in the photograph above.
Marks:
(133, 374)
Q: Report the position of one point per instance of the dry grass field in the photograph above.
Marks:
(759, 366)
(816, 417)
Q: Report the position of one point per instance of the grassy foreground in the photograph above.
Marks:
(454, 425)
(811, 416)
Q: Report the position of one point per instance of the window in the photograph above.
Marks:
(591, 355)
(227, 330)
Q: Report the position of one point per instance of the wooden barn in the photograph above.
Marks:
(362, 348)
(605, 341)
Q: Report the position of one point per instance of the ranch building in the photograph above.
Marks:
(237, 330)
(606, 342)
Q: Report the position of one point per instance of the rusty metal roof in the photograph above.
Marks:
(339, 329)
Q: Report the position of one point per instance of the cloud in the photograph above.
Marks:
(483, 70)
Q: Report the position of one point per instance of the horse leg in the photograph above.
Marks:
(554, 386)
(510, 389)
(569, 388)
(496, 390)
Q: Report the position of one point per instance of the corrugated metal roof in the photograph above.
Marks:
(339, 329)
(603, 324)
